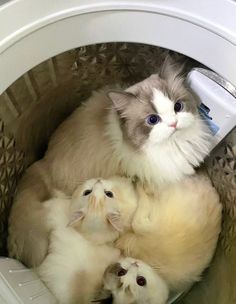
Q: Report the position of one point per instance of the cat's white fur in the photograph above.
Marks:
(125, 289)
(176, 230)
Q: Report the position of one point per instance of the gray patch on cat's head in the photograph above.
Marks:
(111, 279)
(132, 113)
(135, 104)
(113, 269)
(115, 281)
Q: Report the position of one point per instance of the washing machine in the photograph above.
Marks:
(53, 53)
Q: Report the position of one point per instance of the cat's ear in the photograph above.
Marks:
(120, 99)
(114, 219)
(171, 70)
(76, 217)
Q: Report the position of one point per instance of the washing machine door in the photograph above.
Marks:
(31, 31)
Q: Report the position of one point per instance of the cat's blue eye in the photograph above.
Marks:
(87, 192)
(179, 105)
(109, 194)
(153, 119)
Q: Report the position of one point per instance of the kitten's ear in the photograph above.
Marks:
(114, 219)
(102, 296)
(120, 99)
(76, 217)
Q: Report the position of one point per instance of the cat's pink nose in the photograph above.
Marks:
(173, 125)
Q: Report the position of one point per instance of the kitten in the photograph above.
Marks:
(80, 249)
(132, 281)
(175, 230)
(114, 199)
(152, 130)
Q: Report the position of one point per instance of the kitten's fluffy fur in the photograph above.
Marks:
(110, 136)
(176, 230)
(125, 290)
(74, 266)
(80, 242)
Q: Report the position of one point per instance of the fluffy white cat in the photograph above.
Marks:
(152, 130)
(131, 281)
(175, 230)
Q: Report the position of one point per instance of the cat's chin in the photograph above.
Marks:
(166, 167)
(172, 134)
(172, 160)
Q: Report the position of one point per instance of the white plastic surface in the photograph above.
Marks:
(20, 285)
(31, 31)
(221, 103)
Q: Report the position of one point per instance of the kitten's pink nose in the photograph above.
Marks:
(173, 125)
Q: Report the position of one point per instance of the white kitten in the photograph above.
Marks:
(114, 199)
(82, 227)
(80, 242)
(131, 281)
(74, 267)
(175, 230)
(152, 131)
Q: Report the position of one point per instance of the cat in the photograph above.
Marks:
(83, 229)
(151, 131)
(117, 200)
(175, 230)
(131, 281)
